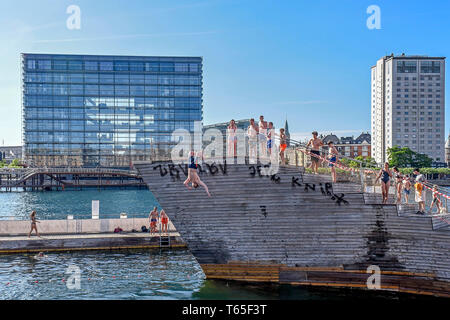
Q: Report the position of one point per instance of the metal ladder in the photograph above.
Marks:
(164, 241)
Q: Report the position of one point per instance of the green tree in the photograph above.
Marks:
(405, 157)
(367, 162)
(15, 163)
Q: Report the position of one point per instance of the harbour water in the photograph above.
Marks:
(59, 204)
(142, 274)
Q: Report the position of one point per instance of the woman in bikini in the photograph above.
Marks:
(232, 139)
(33, 224)
(398, 184)
(436, 201)
(332, 157)
(193, 177)
(385, 175)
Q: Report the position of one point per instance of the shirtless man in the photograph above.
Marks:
(315, 144)
(262, 136)
(153, 220)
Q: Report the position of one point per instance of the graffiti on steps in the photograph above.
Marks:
(175, 170)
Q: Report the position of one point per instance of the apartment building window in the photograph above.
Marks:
(406, 66)
(430, 67)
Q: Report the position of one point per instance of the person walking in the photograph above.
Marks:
(385, 175)
(33, 224)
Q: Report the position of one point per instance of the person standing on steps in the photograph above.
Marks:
(252, 133)
(398, 184)
(232, 138)
(435, 201)
(283, 145)
(262, 136)
(315, 144)
(406, 188)
(270, 132)
(332, 157)
(420, 191)
(385, 175)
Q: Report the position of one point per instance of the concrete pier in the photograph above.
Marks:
(85, 234)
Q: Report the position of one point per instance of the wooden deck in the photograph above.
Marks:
(270, 228)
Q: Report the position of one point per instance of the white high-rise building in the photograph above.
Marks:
(408, 105)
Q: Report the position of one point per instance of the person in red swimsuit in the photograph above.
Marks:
(164, 220)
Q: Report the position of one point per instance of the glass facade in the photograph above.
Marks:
(82, 110)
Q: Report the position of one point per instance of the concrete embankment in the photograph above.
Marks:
(85, 234)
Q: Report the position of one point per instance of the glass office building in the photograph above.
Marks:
(85, 110)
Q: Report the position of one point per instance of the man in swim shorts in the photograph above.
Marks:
(153, 220)
(315, 144)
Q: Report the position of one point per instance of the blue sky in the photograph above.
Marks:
(307, 60)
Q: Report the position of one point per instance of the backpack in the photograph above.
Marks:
(144, 229)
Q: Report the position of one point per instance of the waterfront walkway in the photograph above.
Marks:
(84, 234)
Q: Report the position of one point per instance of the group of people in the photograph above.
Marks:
(262, 133)
(313, 146)
(403, 186)
(154, 217)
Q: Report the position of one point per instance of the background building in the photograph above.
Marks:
(287, 133)
(222, 126)
(8, 154)
(351, 147)
(408, 105)
(84, 110)
(447, 151)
